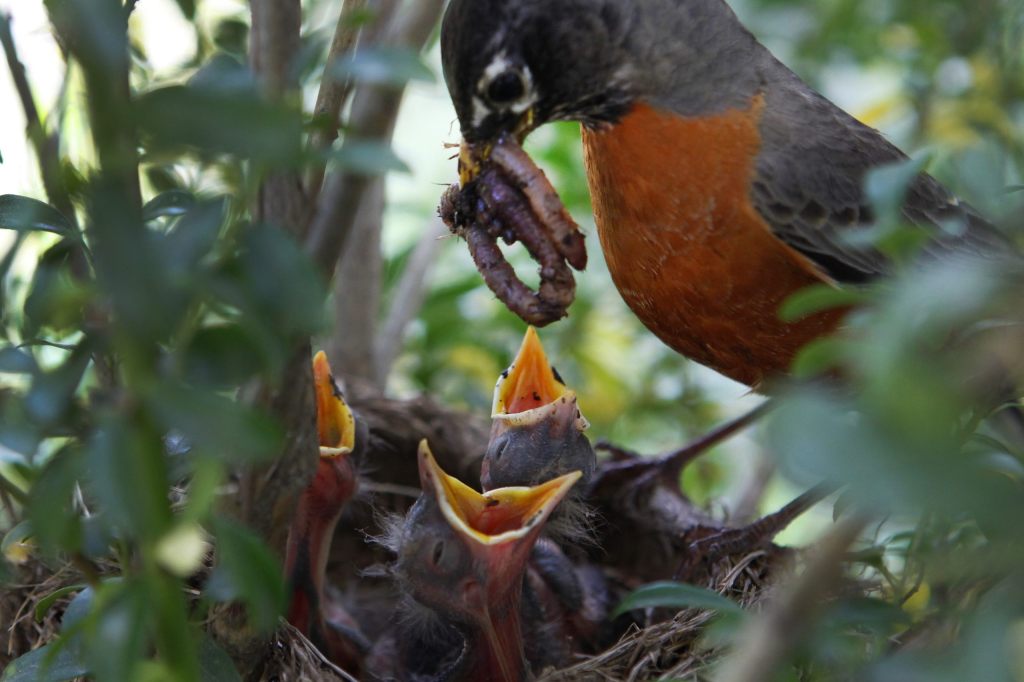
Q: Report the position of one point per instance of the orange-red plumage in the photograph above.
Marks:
(686, 248)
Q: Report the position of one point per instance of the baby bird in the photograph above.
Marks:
(343, 439)
(463, 555)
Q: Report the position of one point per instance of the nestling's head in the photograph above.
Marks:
(537, 431)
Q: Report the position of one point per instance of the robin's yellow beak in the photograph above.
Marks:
(499, 517)
(336, 426)
(473, 156)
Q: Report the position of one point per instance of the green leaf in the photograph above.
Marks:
(16, 535)
(676, 596)
(54, 662)
(231, 35)
(215, 665)
(128, 476)
(80, 607)
(224, 73)
(62, 659)
(368, 157)
(221, 426)
(188, 8)
(56, 525)
(886, 186)
(16, 361)
(867, 613)
(44, 604)
(247, 571)
(242, 124)
(382, 66)
(817, 298)
(52, 392)
(55, 301)
(252, 282)
(173, 202)
(193, 236)
(819, 356)
(115, 635)
(25, 214)
(221, 356)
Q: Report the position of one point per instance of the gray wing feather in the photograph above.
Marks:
(808, 184)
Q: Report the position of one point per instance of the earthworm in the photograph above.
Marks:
(547, 207)
(480, 223)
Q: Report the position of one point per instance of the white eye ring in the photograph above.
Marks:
(484, 104)
(513, 78)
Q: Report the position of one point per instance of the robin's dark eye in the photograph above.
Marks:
(506, 88)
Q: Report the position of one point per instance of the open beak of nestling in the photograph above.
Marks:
(537, 428)
(335, 423)
(494, 534)
(499, 527)
(531, 390)
(316, 514)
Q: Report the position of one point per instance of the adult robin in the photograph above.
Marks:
(721, 182)
(343, 440)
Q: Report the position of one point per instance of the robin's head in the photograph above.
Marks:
(512, 66)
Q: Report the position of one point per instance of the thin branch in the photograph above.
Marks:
(334, 92)
(267, 492)
(357, 290)
(408, 298)
(274, 42)
(374, 111)
(770, 638)
(47, 147)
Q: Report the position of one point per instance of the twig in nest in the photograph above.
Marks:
(771, 636)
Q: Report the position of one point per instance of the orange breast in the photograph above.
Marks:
(687, 250)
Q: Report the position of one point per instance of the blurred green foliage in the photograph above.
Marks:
(148, 307)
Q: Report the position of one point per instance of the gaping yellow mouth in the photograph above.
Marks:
(529, 382)
(496, 517)
(335, 424)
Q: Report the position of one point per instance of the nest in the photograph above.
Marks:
(667, 645)
(290, 657)
(670, 646)
(633, 538)
(21, 632)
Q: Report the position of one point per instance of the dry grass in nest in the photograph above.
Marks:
(21, 632)
(669, 649)
(290, 657)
